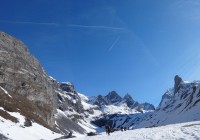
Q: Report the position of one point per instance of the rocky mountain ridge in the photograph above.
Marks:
(176, 106)
(26, 89)
(114, 99)
(22, 76)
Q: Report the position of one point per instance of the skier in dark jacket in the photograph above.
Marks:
(107, 127)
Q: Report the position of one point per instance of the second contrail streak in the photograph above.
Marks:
(114, 43)
(95, 27)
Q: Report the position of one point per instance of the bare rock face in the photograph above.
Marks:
(101, 101)
(166, 98)
(177, 81)
(33, 93)
(67, 86)
(22, 76)
(113, 97)
(129, 101)
(68, 98)
(148, 106)
(2, 137)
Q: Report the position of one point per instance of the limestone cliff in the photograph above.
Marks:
(23, 77)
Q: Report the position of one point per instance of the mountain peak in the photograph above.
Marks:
(128, 96)
(67, 86)
(166, 98)
(100, 101)
(112, 93)
(113, 97)
(148, 106)
(129, 101)
(177, 81)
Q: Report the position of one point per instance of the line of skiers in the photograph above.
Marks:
(124, 128)
(108, 129)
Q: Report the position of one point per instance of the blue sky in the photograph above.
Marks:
(132, 46)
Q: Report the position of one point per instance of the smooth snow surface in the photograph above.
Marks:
(17, 131)
(184, 131)
(121, 109)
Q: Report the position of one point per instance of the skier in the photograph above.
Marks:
(107, 127)
(109, 130)
(122, 128)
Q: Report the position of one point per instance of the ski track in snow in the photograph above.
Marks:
(184, 131)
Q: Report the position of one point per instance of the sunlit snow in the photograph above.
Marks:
(184, 131)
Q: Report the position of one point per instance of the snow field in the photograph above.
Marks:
(17, 131)
(184, 131)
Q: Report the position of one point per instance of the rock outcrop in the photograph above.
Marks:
(113, 97)
(23, 77)
(25, 87)
(129, 101)
(166, 98)
(183, 106)
(177, 81)
(67, 86)
(100, 101)
(148, 106)
(68, 98)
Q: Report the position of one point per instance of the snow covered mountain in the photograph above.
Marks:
(118, 111)
(37, 106)
(177, 106)
(113, 97)
(25, 88)
(115, 100)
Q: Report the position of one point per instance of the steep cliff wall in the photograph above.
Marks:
(21, 75)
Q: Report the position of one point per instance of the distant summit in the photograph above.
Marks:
(113, 98)
(129, 101)
(178, 105)
(177, 82)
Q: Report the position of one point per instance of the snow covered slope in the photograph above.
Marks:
(17, 131)
(177, 107)
(74, 114)
(183, 131)
(28, 94)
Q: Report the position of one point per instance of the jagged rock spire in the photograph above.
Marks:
(177, 81)
(113, 97)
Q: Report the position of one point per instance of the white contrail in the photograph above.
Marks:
(25, 22)
(114, 43)
(57, 24)
(95, 27)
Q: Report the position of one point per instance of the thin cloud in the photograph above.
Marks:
(113, 44)
(33, 23)
(57, 24)
(188, 64)
(94, 27)
(188, 9)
